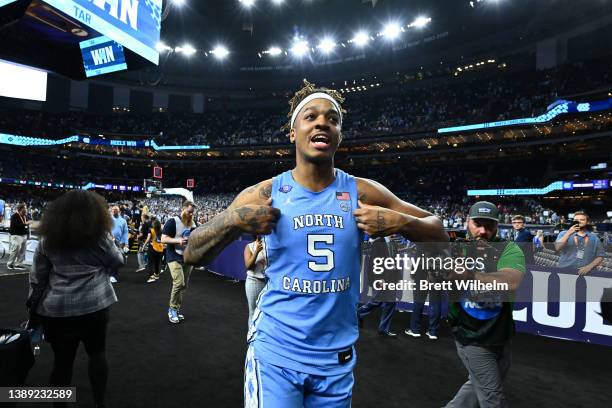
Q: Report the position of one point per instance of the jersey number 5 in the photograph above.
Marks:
(326, 253)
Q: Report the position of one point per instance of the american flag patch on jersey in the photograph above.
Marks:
(343, 196)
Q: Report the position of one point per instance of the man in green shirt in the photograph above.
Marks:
(483, 329)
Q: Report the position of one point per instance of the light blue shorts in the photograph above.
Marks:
(270, 386)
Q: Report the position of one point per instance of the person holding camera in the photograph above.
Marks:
(580, 248)
(484, 326)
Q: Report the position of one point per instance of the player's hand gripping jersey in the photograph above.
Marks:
(306, 317)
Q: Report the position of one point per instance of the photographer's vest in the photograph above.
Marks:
(488, 322)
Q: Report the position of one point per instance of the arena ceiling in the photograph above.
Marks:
(247, 32)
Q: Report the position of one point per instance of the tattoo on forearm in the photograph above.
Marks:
(362, 197)
(246, 215)
(380, 222)
(265, 192)
(211, 238)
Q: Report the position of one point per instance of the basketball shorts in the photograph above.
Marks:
(270, 386)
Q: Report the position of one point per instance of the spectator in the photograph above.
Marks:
(19, 231)
(538, 241)
(255, 263)
(522, 236)
(176, 235)
(69, 284)
(121, 236)
(155, 250)
(381, 248)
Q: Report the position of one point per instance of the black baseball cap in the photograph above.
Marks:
(484, 210)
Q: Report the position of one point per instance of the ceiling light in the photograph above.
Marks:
(161, 46)
(420, 22)
(178, 2)
(277, 2)
(186, 49)
(392, 31)
(247, 3)
(274, 51)
(326, 45)
(220, 52)
(299, 48)
(361, 38)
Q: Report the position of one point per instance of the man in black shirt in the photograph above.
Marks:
(145, 226)
(18, 231)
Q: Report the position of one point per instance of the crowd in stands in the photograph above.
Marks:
(473, 98)
(440, 189)
(452, 209)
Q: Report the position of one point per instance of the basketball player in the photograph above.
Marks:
(301, 340)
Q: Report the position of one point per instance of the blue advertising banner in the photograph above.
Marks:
(551, 315)
(134, 24)
(102, 55)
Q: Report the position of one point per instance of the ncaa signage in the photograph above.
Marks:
(135, 24)
(564, 305)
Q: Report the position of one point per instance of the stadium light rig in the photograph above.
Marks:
(360, 39)
(273, 51)
(161, 47)
(299, 48)
(391, 31)
(420, 22)
(247, 3)
(327, 45)
(186, 50)
(220, 52)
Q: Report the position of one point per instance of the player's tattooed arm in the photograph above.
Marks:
(250, 213)
(382, 213)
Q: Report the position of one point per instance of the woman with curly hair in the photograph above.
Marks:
(70, 284)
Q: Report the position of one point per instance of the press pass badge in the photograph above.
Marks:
(580, 254)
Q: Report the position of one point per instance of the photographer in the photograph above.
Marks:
(580, 248)
(483, 328)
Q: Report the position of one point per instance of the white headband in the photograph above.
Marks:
(317, 95)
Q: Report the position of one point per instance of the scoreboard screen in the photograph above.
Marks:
(102, 55)
(134, 24)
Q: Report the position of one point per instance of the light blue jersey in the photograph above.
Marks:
(306, 317)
